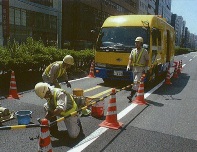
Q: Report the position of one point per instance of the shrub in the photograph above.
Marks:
(33, 55)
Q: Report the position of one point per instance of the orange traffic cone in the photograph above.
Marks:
(175, 74)
(167, 81)
(13, 89)
(91, 73)
(140, 93)
(45, 140)
(111, 116)
(179, 68)
(176, 63)
(181, 65)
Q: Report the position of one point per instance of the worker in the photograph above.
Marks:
(56, 70)
(139, 60)
(59, 103)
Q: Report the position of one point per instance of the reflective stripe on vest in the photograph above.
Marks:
(69, 97)
(136, 62)
(61, 70)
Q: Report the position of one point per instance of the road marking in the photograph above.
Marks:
(77, 79)
(92, 88)
(97, 133)
(190, 59)
(101, 93)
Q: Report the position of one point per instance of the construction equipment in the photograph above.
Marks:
(5, 114)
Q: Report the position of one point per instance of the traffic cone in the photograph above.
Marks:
(13, 89)
(140, 93)
(167, 81)
(44, 140)
(179, 68)
(175, 74)
(111, 116)
(181, 65)
(176, 63)
(91, 73)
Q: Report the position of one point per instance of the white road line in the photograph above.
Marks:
(97, 133)
(190, 59)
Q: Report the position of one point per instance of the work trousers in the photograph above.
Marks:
(47, 80)
(137, 73)
(71, 124)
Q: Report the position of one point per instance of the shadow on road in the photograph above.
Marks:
(175, 88)
(63, 140)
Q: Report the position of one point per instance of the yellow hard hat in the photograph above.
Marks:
(139, 39)
(68, 59)
(41, 89)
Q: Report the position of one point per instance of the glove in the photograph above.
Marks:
(128, 67)
(51, 84)
(48, 115)
(68, 85)
(146, 69)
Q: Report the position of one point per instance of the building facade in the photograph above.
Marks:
(178, 24)
(163, 7)
(82, 19)
(40, 19)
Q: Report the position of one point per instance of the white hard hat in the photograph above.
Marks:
(41, 89)
(68, 59)
(140, 39)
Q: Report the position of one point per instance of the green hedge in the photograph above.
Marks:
(179, 51)
(33, 55)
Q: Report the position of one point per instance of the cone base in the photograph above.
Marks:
(13, 97)
(91, 76)
(175, 76)
(168, 82)
(115, 125)
(140, 102)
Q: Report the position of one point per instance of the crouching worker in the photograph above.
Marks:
(59, 103)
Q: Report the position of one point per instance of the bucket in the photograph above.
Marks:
(97, 109)
(23, 117)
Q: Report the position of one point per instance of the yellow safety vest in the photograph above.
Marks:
(52, 105)
(61, 70)
(136, 61)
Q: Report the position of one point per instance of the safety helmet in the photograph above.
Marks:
(68, 59)
(41, 89)
(139, 39)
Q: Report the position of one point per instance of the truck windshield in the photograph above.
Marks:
(119, 38)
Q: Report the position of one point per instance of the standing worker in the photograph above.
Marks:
(56, 70)
(59, 103)
(139, 59)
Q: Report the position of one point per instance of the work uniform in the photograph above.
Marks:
(53, 72)
(139, 59)
(64, 101)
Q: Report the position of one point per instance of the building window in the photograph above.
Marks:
(11, 14)
(17, 17)
(23, 18)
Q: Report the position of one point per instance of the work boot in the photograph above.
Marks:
(79, 124)
(131, 95)
(81, 134)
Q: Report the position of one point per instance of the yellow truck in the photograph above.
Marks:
(117, 38)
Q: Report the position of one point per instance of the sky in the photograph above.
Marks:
(188, 10)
